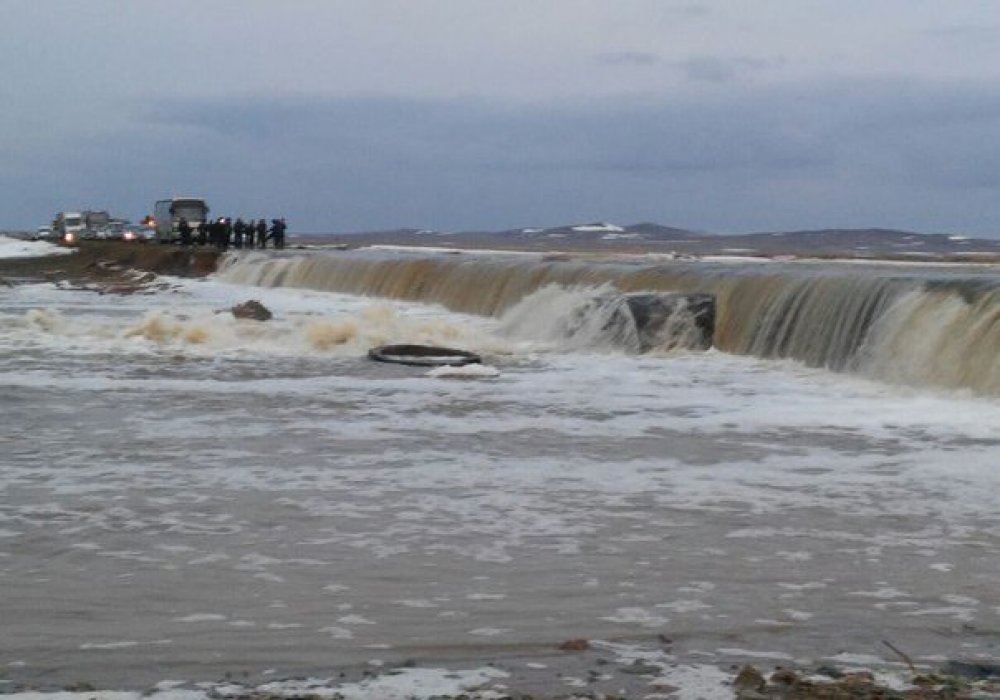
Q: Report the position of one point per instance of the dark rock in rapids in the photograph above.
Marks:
(253, 310)
(671, 320)
(749, 679)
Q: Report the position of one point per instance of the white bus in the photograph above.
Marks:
(168, 212)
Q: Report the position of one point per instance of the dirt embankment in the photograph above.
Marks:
(112, 266)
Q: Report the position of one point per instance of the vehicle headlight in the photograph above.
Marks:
(70, 237)
(129, 236)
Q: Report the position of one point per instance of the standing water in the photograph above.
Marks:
(189, 497)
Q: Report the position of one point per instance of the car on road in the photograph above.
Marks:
(138, 233)
(114, 230)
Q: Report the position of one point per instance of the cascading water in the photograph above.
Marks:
(920, 327)
(603, 318)
(941, 335)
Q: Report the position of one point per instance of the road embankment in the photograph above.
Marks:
(105, 262)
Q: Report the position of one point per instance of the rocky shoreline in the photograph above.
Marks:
(581, 678)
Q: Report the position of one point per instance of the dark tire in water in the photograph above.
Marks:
(423, 355)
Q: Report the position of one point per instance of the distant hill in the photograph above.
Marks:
(647, 237)
(858, 241)
(573, 237)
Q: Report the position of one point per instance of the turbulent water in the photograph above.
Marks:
(185, 495)
(917, 327)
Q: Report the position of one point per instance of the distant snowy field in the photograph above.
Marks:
(16, 248)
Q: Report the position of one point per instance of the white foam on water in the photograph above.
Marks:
(96, 695)
(193, 319)
(401, 684)
(619, 462)
(751, 654)
(201, 617)
(474, 371)
(639, 616)
(489, 631)
(355, 620)
(695, 682)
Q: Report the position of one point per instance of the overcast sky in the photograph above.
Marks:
(721, 115)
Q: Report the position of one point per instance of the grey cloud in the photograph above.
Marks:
(899, 154)
(627, 58)
(712, 70)
(692, 9)
(887, 105)
(632, 137)
(715, 69)
(965, 33)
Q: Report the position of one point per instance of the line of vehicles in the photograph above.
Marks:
(97, 224)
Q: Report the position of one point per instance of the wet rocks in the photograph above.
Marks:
(575, 645)
(642, 322)
(748, 680)
(783, 676)
(252, 310)
(668, 320)
(785, 684)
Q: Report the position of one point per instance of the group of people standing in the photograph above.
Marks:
(223, 233)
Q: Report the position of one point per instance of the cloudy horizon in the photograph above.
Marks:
(476, 115)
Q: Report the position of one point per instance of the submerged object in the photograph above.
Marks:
(423, 355)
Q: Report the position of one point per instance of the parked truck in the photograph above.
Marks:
(68, 225)
(167, 213)
(72, 226)
(96, 222)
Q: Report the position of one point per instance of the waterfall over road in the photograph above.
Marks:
(921, 326)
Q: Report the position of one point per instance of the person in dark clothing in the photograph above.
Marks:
(184, 232)
(248, 234)
(261, 234)
(201, 237)
(278, 227)
(225, 233)
(213, 233)
(238, 229)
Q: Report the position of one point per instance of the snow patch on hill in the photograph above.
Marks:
(598, 227)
